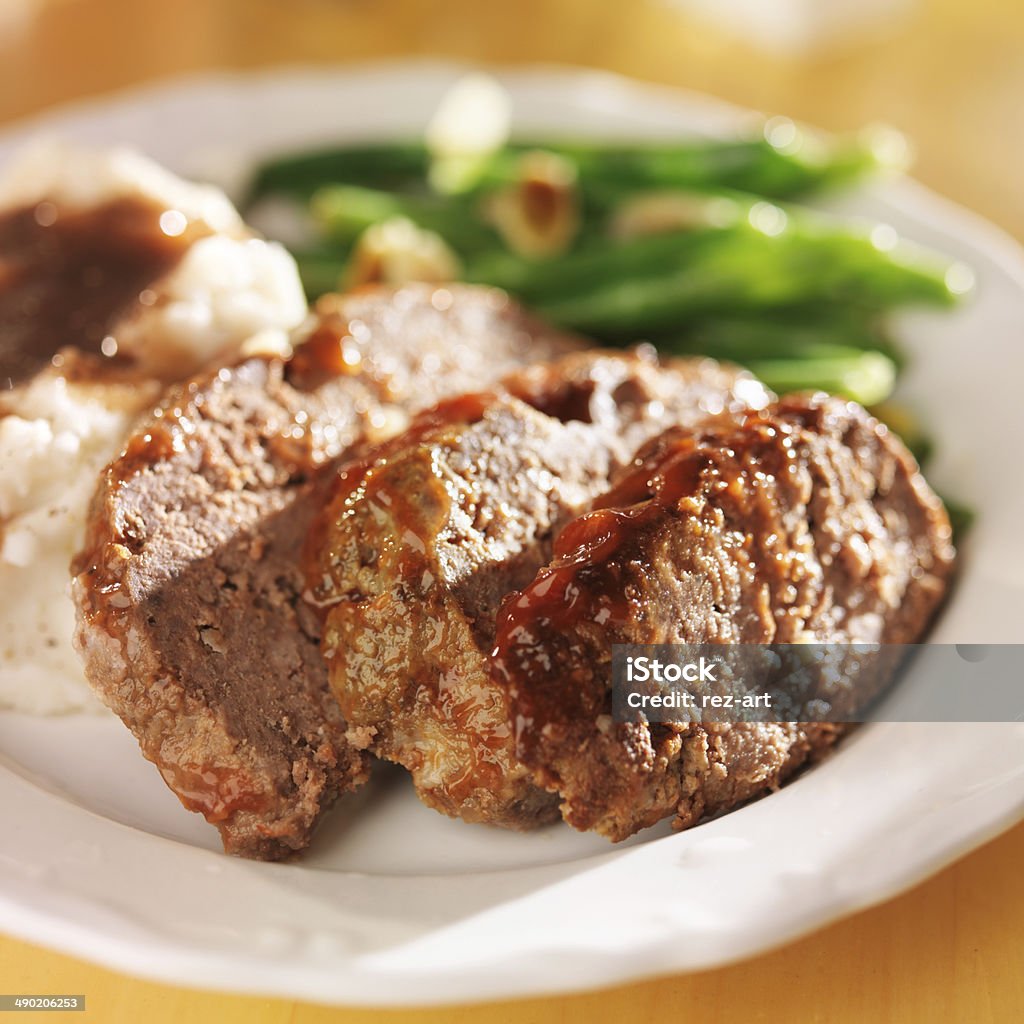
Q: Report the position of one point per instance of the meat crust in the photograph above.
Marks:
(423, 539)
(808, 523)
(188, 589)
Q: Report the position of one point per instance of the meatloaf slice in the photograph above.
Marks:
(421, 542)
(809, 523)
(188, 589)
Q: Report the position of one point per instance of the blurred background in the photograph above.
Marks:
(949, 73)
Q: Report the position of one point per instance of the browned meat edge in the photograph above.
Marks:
(808, 523)
(188, 589)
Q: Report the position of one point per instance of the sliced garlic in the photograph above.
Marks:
(472, 121)
(396, 251)
(653, 213)
(539, 215)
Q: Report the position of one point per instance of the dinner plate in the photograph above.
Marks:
(397, 905)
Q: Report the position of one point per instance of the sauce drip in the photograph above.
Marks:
(68, 276)
(330, 351)
(671, 472)
(358, 480)
(216, 793)
(582, 584)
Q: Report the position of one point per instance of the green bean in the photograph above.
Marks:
(659, 282)
(582, 270)
(345, 211)
(799, 364)
(606, 170)
(785, 331)
(864, 377)
(374, 164)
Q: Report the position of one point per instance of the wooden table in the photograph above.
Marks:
(952, 77)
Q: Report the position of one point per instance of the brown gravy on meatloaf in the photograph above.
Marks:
(67, 276)
(581, 587)
(559, 596)
(667, 472)
(330, 351)
(357, 480)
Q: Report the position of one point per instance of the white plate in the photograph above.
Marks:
(396, 904)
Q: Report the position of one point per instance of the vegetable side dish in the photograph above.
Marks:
(700, 246)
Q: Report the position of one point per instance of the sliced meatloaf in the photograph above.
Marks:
(190, 618)
(808, 523)
(423, 539)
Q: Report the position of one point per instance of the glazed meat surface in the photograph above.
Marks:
(188, 589)
(424, 538)
(808, 523)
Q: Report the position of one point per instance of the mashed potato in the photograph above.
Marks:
(53, 443)
(57, 434)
